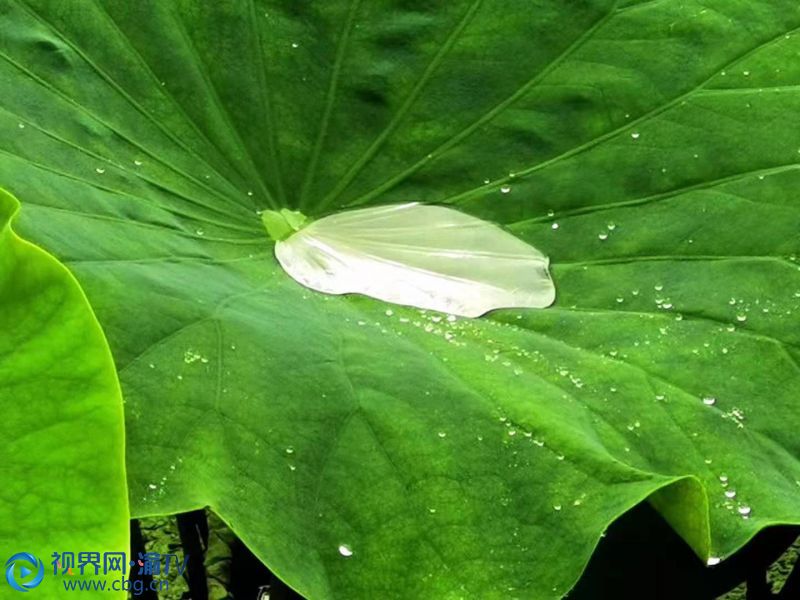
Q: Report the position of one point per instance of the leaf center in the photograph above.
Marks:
(280, 224)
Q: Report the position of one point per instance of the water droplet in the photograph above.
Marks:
(730, 493)
(554, 226)
(658, 287)
(723, 478)
(345, 550)
(190, 356)
(611, 226)
(200, 232)
(290, 450)
(744, 510)
(153, 486)
(709, 401)
(505, 189)
(389, 312)
(635, 135)
(99, 170)
(138, 163)
(556, 507)
(295, 45)
(741, 317)
(602, 236)
(442, 434)
(713, 560)
(746, 73)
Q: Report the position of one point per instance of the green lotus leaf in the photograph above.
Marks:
(367, 450)
(63, 473)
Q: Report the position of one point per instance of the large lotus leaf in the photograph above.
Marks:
(62, 474)
(364, 450)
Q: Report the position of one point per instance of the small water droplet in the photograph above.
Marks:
(730, 493)
(554, 226)
(713, 560)
(190, 356)
(442, 434)
(290, 450)
(389, 312)
(709, 401)
(295, 45)
(635, 135)
(602, 236)
(723, 478)
(741, 317)
(505, 189)
(200, 232)
(345, 550)
(138, 163)
(99, 170)
(744, 510)
(556, 507)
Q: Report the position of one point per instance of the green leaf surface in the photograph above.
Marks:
(649, 149)
(63, 475)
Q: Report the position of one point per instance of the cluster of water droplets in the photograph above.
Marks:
(157, 489)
